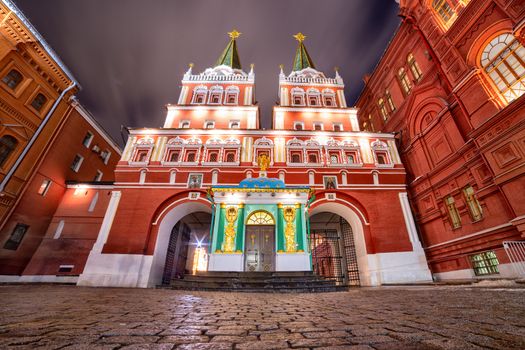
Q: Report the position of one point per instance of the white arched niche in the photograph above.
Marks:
(173, 214)
(352, 216)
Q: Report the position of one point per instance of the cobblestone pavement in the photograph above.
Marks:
(67, 317)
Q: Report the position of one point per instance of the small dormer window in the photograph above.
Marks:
(338, 127)
(234, 125)
(298, 126)
(185, 124)
(209, 125)
(318, 126)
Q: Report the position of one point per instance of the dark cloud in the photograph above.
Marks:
(130, 55)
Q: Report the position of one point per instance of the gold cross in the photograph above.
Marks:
(299, 37)
(234, 34)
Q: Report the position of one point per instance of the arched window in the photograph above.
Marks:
(314, 97)
(404, 81)
(298, 126)
(414, 67)
(296, 158)
(453, 213)
(298, 97)
(474, 208)
(39, 101)
(174, 156)
(382, 108)
(185, 124)
(312, 158)
(12, 79)
(209, 125)
(230, 157)
(231, 95)
(390, 101)
(444, 10)
(214, 157)
(260, 218)
(7, 146)
(215, 95)
(199, 95)
(504, 61)
(329, 98)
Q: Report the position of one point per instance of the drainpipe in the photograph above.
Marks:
(33, 138)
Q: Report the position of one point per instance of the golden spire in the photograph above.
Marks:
(299, 37)
(234, 34)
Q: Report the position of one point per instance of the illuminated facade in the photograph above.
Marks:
(258, 192)
(325, 189)
(455, 75)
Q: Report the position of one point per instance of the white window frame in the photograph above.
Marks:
(181, 124)
(298, 92)
(197, 91)
(213, 91)
(76, 167)
(298, 123)
(99, 176)
(212, 122)
(88, 138)
(231, 90)
(337, 124)
(48, 184)
(234, 121)
(317, 95)
(321, 124)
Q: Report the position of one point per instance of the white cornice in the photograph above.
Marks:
(316, 110)
(12, 7)
(257, 132)
(221, 108)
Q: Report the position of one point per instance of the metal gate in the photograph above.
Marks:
(333, 254)
(516, 252)
(326, 255)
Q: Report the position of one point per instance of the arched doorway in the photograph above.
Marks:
(187, 247)
(333, 249)
(260, 242)
(191, 216)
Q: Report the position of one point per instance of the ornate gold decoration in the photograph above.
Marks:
(229, 232)
(299, 37)
(263, 161)
(260, 217)
(289, 231)
(234, 34)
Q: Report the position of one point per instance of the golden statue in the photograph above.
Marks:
(229, 232)
(289, 231)
(263, 161)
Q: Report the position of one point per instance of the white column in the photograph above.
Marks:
(107, 222)
(409, 221)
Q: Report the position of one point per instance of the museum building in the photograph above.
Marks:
(326, 189)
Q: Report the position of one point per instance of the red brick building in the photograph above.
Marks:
(46, 139)
(450, 85)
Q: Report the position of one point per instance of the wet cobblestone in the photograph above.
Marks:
(445, 317)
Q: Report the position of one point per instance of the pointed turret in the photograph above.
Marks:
(302, 58)
(230, 56)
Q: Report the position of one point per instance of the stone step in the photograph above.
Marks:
(256, 282)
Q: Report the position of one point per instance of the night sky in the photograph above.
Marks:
(130, 55)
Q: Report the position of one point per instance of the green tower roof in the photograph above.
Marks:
(230, 56)
(302, 58)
